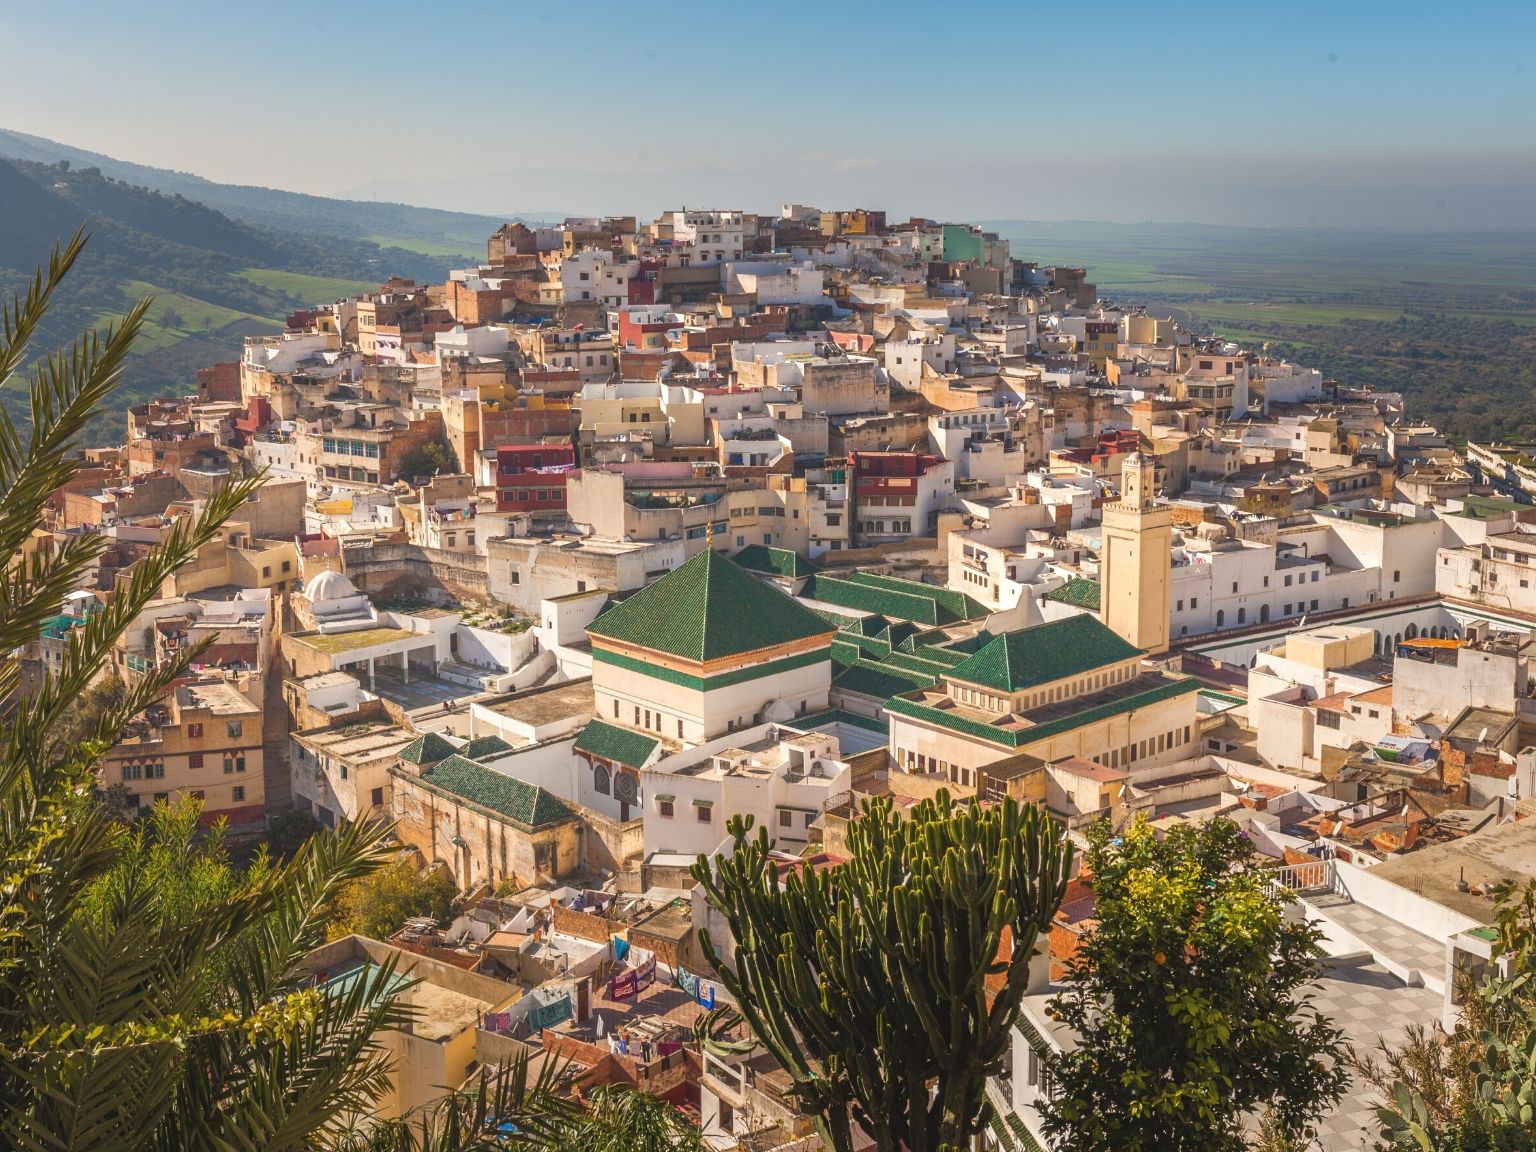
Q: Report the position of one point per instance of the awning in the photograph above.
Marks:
(697, 803)
(665, 799)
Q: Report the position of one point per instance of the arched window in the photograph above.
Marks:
(1242, 615)
(1412, 631)
(600, 778)
(1221, 617)
(625, 789)
(1264, 614)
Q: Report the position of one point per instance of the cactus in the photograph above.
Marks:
(867, 980)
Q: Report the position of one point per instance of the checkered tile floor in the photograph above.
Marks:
(1370, 1004)
(1385, 936)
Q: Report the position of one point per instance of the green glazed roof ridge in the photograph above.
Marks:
(428, 748)
(1029, 657)
(516, 799)
(708, 608)
(612, 742)
(1078, 592)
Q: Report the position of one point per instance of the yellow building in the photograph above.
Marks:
(1070, 688)
(1135, 559)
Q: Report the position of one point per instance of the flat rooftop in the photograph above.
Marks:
(539, 706)
(373, 740)
(338, 643)
(1503, 852)
(217, 697)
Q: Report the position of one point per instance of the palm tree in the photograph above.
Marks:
(136, 1011)
(511, 1107)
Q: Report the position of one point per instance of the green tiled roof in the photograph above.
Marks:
(917, 664)
(864, 598)
(945, 656)
(1032, 656)
(880, 681)
(839, 716)
(515, 799)
(774, 561)
(1077, 592)
(923, 636)
(484, 746)
(1022, 738)
(708, 608)
(956, 606)
(427, 748)
(611, 742)
(871, 646)
(971, 644)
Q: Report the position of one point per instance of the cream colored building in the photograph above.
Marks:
(1137, 558)
(1069, 688)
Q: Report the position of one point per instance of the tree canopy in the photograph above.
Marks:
(887, 986)
(1188, 1002)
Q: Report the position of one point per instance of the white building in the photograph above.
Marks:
(782, 780)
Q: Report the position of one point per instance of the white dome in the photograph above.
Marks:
(328, 586)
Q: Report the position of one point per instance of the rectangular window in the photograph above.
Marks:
(194, 731)
(664, 808)
(786, 819)
(194, 760)
(377, 797)
(235, 728)
(703, 813)
(371, 449)
(238, 792)
(328, 445)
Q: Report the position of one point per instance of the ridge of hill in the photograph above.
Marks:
(428, 231)
(214, 279)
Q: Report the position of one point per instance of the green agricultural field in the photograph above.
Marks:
(1448, 319)
(303, 288)
(451, 248)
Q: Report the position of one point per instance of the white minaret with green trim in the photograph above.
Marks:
(1134, 565)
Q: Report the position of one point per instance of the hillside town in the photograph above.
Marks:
(640, 527)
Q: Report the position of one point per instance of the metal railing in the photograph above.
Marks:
(1315, 876)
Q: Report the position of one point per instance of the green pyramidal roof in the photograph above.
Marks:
(614, 743)
(708, 608)
(1019, 660)
(516, 799)
(428, 748)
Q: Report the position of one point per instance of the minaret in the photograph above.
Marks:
(1134, 577)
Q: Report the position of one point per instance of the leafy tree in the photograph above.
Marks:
(379, 904)
(288, 831)
(104, 694)
(429, 459)
(117, 801)
(1189, 1003)
(885, 986)
(1474, 1089)
(148, 997)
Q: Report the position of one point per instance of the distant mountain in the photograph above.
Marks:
(214, 278)
(427, 230)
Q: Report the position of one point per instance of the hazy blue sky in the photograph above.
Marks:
(1327, 113)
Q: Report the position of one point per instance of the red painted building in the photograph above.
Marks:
(897, 494)
(531, 477)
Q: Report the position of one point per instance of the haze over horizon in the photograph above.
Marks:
(1306, 116)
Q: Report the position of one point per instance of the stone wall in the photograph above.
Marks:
(431, 574)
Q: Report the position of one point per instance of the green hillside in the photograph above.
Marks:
(425, 230)
(214, 279)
